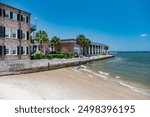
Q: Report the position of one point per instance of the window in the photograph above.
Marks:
(24, 19)
(7, 50)
(24, 51)
(24, 35)
(14, 50)
(7, 32)
(7, 14)
(14, 33)
(14, 16)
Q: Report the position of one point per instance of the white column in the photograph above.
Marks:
(95, 50)
(98, 49)
(92, 50)
(89, 51)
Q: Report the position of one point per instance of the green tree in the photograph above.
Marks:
(83, 42)
(41, 37)
(106, 48)
(55, 41)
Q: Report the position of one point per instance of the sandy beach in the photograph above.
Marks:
(63, 84)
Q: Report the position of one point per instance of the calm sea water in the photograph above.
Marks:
(133, 67)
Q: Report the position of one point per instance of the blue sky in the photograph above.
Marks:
(122, 24)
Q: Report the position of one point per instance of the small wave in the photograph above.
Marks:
(82, 67)
(99, 75)
(145, 92)
(90, 76)
(117, 77)
(104, 73)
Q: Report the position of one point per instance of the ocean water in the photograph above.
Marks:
(132, 67)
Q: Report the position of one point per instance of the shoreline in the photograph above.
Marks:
(134, 86)
(64, 84)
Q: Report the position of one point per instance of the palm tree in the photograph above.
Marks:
(83, 42)
(87, 43)
(55, 41)
(41, 37)
(106, 48)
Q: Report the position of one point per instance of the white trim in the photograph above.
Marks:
(23, 31)
(13, 49)
(24, 47)
(9, 50)
(12, 33)
(6, 28)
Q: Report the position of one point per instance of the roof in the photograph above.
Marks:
(15, 8)
(68, 40)
(98, 44)
(74, 40)
(64, 40)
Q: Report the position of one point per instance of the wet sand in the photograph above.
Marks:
(63, 84)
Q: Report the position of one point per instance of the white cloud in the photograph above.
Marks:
(145, 35)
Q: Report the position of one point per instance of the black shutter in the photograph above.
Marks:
(1, 31)
(21, 50)
(21, 18)
(18, 17)
(11, 15)
(4, 31)
(18, 50)
(18, 32)
(21, 34)
(27, 35)
(0, 50)
(4, 48)
(27, 50)
(4, 13)
(27, 19)
(0, 12)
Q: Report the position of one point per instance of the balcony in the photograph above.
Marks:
(32, 27)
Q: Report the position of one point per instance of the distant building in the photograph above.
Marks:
(14, 33)
(70, 45)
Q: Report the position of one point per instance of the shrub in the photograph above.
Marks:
(69, 55)
(39, 55)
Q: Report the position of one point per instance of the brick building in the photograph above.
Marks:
(14, 33)
(70, 45)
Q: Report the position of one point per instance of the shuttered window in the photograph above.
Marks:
(18, 17)
(6, 13)
(19, 32)
(27, 19)
(4, 50)
(18, 50)
(0, 12)
(2, 31)
(11, 15)
(14, 16)
(0, 50)
(7, 32)
(28, 35)
(27, 50)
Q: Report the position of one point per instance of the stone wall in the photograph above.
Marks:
(44, 64)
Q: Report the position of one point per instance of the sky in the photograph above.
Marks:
(124, 25)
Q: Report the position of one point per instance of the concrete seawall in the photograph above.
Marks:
(30, 66)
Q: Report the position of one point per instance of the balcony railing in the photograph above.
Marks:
(32, 27)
